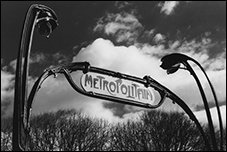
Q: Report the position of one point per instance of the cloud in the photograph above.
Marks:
(137, 61)
(131, 60)
(159, 38)
(142, 61)
(168, 6)
(218, 63)
(38, 57)
(148, 33)
(7, 92)
(6, 84)
(34, 58)
(8, 88)
(60, 58)
(201, 116)
(122, 4)
(146, 60)
(124, 26)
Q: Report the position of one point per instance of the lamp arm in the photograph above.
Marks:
(216, 102)
(21, 76)
(22, 70)
(26, 44)
(210, 121)
(191, 115)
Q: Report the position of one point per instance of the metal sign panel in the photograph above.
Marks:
(116, 87)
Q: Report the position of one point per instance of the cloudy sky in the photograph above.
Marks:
(128, 37)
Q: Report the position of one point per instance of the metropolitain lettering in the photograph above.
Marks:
(116, 87)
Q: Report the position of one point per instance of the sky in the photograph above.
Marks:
(127, 37)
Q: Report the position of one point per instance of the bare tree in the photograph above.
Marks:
(43, 132)
(81, 133)
(157, 131)
(129, 136)
(172, 131)
(68, 130)
(6, 133)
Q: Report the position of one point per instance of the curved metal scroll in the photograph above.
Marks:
(85, 67)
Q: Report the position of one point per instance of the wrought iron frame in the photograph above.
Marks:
(85, 67)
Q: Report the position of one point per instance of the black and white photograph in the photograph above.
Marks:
(113, 75)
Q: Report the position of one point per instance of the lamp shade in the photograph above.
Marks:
(173, 69)
(46, 22)
(172, 62)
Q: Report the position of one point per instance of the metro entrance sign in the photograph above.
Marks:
(110, 85)
(113, 86)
